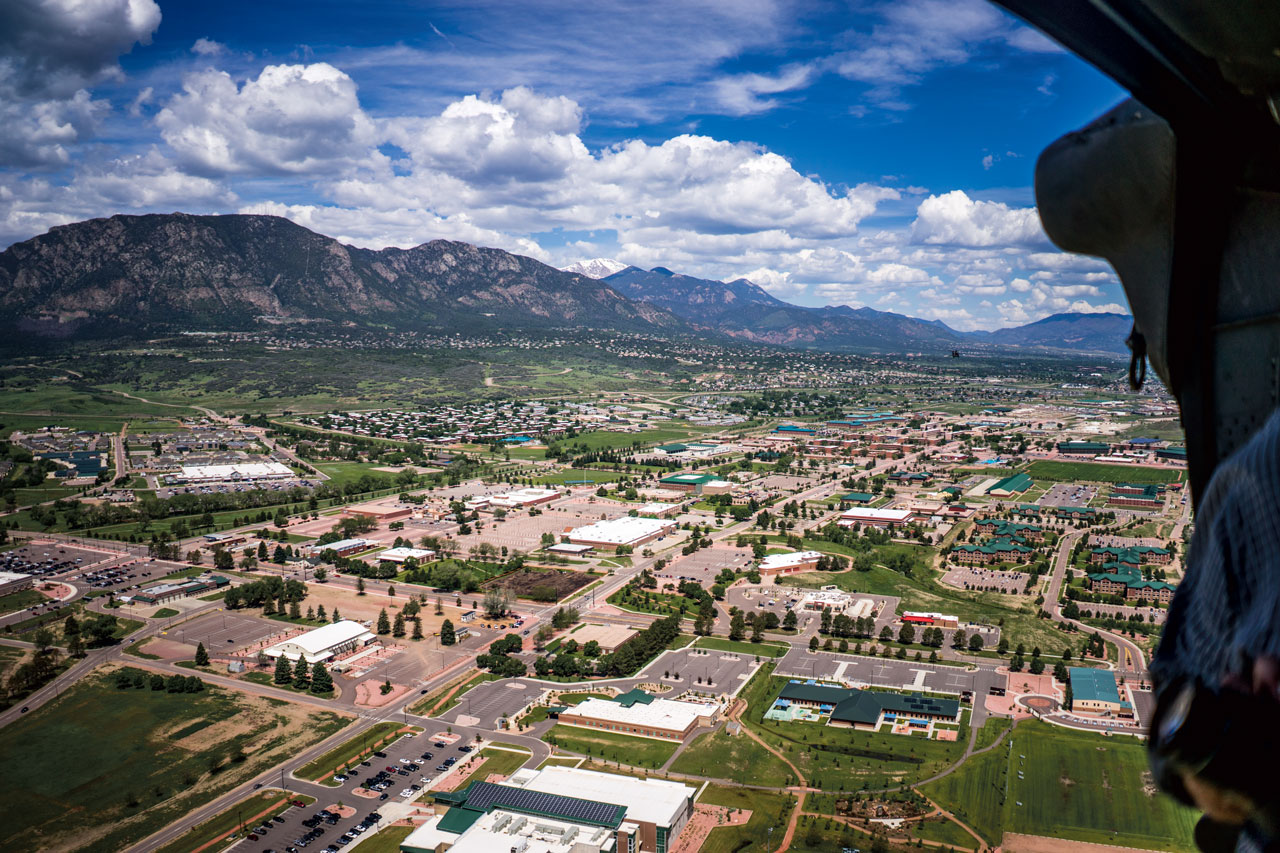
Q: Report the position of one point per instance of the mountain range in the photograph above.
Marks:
(131, 275)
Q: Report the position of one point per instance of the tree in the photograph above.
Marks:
(283, 673)
(1003, 646)
(384, 624)
(737, 626)
(321, 680)
(300, 673)
(975, 643)
(398, 629)
(360, 586)
(1060, 672)
(75, 646)
(813, 643)
(417, 629)
(202, 655)
(447, 635)
(1036, 667)
(886, 634)
(907, 634)
(789, 621)
(320, 574)
(958, 639)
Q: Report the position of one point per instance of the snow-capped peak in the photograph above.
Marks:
(596, 267)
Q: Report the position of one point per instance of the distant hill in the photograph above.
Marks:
(177, 271)
(746, 311)
(1090, 332)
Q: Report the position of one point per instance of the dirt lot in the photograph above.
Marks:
(366, 607)
(522, 584)
(1014, 842)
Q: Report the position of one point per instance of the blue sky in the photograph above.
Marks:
(855, 153)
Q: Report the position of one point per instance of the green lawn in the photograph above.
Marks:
(343, 754)
(499, 761)
(230, 820)
(768, 811)
(624, 749)
(944, 832)
(737, 757)
(1097, 472)
(845, 759)
(341, 473)
(386, 840)
(1076, 785)
(136, 760)
(764, 650)
(20, 600)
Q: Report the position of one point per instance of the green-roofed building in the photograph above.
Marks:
(1011, 485)
(673, 448)
(634, 696)
(1094, 691)
(688, 482)
(864, 709)
(1083, 448)
(1175, 454)
(1011, 529)
(858, 497)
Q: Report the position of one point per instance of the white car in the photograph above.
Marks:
(405, 761)
(407, 792)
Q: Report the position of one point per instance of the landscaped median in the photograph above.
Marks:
(353, 751)
(495, 760)
(213, 834)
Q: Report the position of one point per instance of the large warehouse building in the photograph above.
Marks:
(1093, 691)
(628, 530)
(785, 564)
(872, 517)
(242, 471)
(15, 582)
(324, 644)
(557, 810)
(638, 713)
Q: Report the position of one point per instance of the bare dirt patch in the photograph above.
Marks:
(542, 585)
(1014, 842)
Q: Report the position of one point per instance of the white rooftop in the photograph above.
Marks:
(873, 514)
(322, 639)
(660, 713)
(399, 555)
(10, 577)
(782, 561)
(653, 801)
(239, 470)
(621, 531)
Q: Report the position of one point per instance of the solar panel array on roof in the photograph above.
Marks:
(484, 796)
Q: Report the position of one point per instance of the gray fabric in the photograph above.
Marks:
(1226, 612)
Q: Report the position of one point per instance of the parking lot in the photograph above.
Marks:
(485, 704)
(164, 492)
(225, 631)
(1068, 494)
(707, 671)
(703, 565)
(902, 675)
(119, 576)
(966, 577)
(303, 826)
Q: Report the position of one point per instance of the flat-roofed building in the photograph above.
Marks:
(940, 620)
(15, 582)
(863, 709)
(343, 547)
(160, 593)
(872, 517)
(399, 555)
(785, 564)
(642, 715)
(521, 498)
(325, 643)
(557, 810)
(379, 512)
(1094, 691)
(698, 484)
(629, 530)
(237, 472)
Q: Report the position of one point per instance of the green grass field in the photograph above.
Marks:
(230, 820)
(636, 751)
(1097, 472)
(495, 761)
(732, 757)
(768, 811)
(386, 840)
(944, 832)
(573, 475)
(345, 753)
(20, 600)
(763, 650)
(1075, 785)
(845, 759)
(132, 761)
(341, 473)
